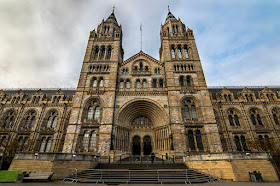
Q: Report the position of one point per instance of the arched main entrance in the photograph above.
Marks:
(147, 145)
(136, 146)
(138, 127)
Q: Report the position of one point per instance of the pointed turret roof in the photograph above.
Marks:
(170, 16)
(112, 18)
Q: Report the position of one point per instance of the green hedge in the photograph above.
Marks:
(9, 176)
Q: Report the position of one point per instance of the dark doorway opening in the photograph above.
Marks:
(136, 147)
(147, 145)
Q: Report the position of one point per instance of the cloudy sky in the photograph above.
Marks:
(42, 43)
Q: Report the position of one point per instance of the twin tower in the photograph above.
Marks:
(142, 105)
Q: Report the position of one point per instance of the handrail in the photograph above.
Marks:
(128, 173)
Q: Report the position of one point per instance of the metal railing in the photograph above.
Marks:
(144, 159)
(126, 175)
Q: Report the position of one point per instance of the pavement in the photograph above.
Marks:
(217, 183)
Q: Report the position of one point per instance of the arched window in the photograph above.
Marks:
(43, 144)
(141, 66)
(30, 119)
(233, 117)
(101, 82)
(96, 113)
(181, 80)
(275, 113)
(85, 140)
(137, 83)
(187, 112)
(121, 84)
(186, 52)
(172, 52)
(229, 98)
(199, 140)
(191, 140)
(109, 53)
(256, 117)
(247, 98)
(48, 145)
(144, 83)
(189, 109)
(94, 82)
(188, 80)
(102, 53)
(243, 142)
(52, 120)
(230, 119)
(237, 143)
(128, 83)
(9, 118)
(179, 52)
(96, 53)
(92, 142)
(251, 97)
(90, 112)
(225, 96)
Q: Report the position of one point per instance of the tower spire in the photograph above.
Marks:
(168, 9)
(114, 9)
(141, 34)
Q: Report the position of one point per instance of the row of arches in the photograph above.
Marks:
(183, 67)
(97, 82)
(179, 51)
(141, 83)
(99, 68)
(101, 52)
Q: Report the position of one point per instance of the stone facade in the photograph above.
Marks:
(140, 105)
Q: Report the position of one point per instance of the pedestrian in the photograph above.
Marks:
(152, 157)
(166, 156)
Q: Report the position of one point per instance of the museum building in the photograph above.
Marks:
(142, 105)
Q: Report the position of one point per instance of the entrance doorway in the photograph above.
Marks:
(136, 146)
(147, 145)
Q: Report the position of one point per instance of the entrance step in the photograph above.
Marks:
(141, 166)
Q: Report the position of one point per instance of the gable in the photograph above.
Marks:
(141, 56)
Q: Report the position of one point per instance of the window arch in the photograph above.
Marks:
(275, 114)
(96, 53)
(52, 120)
(85, 140)
(186, 52)
(179, 52)
(8, 119)
(191, 140)
(109, 52)
(45, 144)
(181, 80)
(255, 116)
(189, 109)
(160, 83)
(233, 117)
(189, 79)
(172, 52)
(121, 83)
(92, 110)
(102, 53)
(92, 142)
(127, 83)
(237, 143)
(199, 140)
(101, 82)
(94, 82)
(144, 83)
(137, 83)
(29, 120)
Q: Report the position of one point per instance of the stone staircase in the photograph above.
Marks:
(141, 174)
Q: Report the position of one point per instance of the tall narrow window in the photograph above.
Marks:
(154, 83)
(182, 81)
(173, 52)
(236, 120)
(243, 142)
(90, 112)
(109, 53)
(27, 121)
(121, 84)
(144, 83)
(188, 81)
(229, 98)
(193, 111)
(237, 143)
(96, 53)
(49, 123)
(137, 83)
(186, 112)
(141, 66)
(32, 122)
(191, 140)
(199, 140)
(186, 52)
(230, 119)
(96, 113)
(179, 52)
(127, 84)
(54, 122)
(101, 82)
(225, 96)
(161, 83)
(259, 119)
(94, 83)
(85, 140)
(43, 145)
(102, 52)
(48, 146)
(92, 142)
(253, 119)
